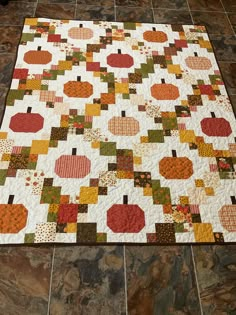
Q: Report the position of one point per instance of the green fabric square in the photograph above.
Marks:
(125, 96)
(3, 174)
(31, 165)
(51, 194)
(179, 227)
(169, 123)
(161, 196)
(27, 37)
(155, 136)
(29, 238)
(52, 217)
(102, 237)
(14, 95)
(107, 148)
(129, 26)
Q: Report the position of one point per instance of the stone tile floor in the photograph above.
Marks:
(119, 280)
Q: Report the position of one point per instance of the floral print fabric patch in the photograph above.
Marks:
(117, 132)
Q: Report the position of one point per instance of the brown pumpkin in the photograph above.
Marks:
(120, 60)
(155, 36)
(216, 127)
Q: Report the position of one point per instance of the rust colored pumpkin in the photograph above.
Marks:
(13, 218)
(155, 36)
(37, 57)
(26, 122)
(78, 89)
(227, 216)
(123, 126)
(176, 167)
(120, 60)
(165, 91)
(198, 63)
(216, 127)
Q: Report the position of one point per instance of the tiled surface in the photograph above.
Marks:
(160, 280)
(91, 280)
(25, 280)
(216, 273)
(88, 280)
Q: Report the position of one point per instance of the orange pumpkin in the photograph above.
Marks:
(165, 91)
(155, 36)
(78, 89)
(176, 167)
(13, 217)
(39, 56)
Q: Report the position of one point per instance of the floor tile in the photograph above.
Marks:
(233, 102)
(106, 3)
(56, 11)
(133, 3)
(57, 1)
(160, 280)
(216, 272)
(15, 12)
(169, 4)
(230, 5)
(88, 280)
(228, 70)
(9, 39)
(172, 16)
(224, 47)
(232, 18)
(93, 12)
(24, 280)
(205, 5)
(217, 25)
(125, 14)
(7, 62)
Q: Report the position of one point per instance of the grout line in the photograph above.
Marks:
(50, 286)
(196, 278)
(126, 292)
(114, 1)
(36, 7)
(153, 15)
(228, 18)
(190, 11)
(76, 4)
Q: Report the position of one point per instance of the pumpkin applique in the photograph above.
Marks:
(38, 57)
(165, 91)
(123, 126)
(198, 63)
(176, 167)
(78, 88)
(119, 60)
(80, 32)
(155, 36)
(26, 122)
(216, 127)
(227, 216)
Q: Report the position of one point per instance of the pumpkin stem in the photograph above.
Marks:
(10, 199)
(233, 200)
(122, 113)
(125, 199)
(174, 154)
(163, 81)
(29, 109)
(213, 115)
(74, 150)
(195, 54)
(78, 78)
(39, 48)
(154, 29)
(119, 51)
(81, 25)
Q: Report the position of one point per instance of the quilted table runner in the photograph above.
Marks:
(116, 133)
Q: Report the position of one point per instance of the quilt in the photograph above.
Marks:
(117, 133)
